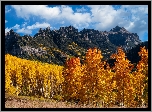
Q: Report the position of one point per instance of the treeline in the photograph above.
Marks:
(94, 81)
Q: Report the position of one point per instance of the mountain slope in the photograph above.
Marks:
(133, 55)
(54, 46)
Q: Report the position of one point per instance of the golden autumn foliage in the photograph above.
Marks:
(123, 78)
(72, 74)
(141, 78)
(24, 77)
(92, 82)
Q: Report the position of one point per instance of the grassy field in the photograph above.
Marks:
(12, 101)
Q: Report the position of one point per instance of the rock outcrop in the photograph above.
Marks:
(54, 46)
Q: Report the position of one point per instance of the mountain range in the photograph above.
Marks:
(55, 46)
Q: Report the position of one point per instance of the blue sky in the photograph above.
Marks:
(27, 19)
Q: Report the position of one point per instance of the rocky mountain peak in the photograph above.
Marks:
(119, 36)
(119, 29)
(11, 34)
(55, 43)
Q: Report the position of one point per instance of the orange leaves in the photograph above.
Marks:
(144, 59)
(141, 76)
(92, 81)
(143, 53)
(73, 62)
(72, 78)
(122, 74)
(129, 83)
(93, 57)
(120, 56)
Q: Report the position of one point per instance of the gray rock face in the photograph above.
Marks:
(31, 50)
(121, 37)
(106, 41)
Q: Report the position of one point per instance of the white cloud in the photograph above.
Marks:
(42, 11)
(16, 26)
(56, 14)
(136, 8)
(132, 17)
(66, 9)
(105, 15)
(131, 25)
(6, 21)
(7, 29)
(81, 9)
(74, 18)
(27, 29)
(139, 18)
(24, 24)
(24, 31)
(38, 25)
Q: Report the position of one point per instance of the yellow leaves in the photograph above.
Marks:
(74, 94)
(93, 57)
(127, 81)
(74, 43)
(89, 79)
(89, 82)
(40, 45)
(79, 53)
(44, 48)
(143, 51)
(114, 84)
(30, 75)
(12, 90)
